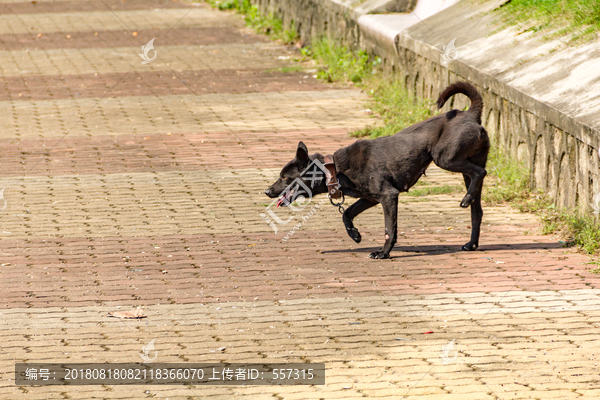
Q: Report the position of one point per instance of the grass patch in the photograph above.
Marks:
(287, 70)
(580, 19)
(508, 180)
(339, 63)
(433, 190)
(579, 229)
(396, 105)
(597, 270)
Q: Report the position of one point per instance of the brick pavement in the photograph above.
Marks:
(146, 191)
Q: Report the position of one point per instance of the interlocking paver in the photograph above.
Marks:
(150, 115)
(121, 60)
(203, 35)
(136, 84)
(152, 197)
(61, 6)
(160, 18)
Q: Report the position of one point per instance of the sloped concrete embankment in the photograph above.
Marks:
(542, 97)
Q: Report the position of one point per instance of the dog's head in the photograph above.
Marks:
(303, 176)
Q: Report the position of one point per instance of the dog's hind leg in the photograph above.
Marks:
(349, 215)
(476, 216)
(475, 173)
(390, 213)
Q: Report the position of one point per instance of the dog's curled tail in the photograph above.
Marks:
(468, 90)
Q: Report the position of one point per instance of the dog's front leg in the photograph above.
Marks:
(351, 213)
(390, 214)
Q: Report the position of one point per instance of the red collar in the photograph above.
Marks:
(333, 186)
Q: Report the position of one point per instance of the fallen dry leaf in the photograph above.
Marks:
(134, 314)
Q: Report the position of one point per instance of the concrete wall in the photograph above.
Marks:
(313, 18)
(531, 109)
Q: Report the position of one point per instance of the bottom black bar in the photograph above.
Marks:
(29, 374)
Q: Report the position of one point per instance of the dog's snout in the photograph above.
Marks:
(270, 193)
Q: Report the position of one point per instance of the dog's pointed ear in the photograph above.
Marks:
(302, 155)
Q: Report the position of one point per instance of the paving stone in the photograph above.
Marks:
(184, 113)
(132, 20)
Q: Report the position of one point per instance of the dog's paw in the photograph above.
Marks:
(470, 246)
(379, 255)
(354, 234)
(466, 201)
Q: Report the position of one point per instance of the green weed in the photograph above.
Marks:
(508, 179)
(579, 19)
(339, 63)
(580, 229)
(395, 104)
(433, 190)
(293, 68)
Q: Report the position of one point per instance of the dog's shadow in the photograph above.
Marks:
(448, 249)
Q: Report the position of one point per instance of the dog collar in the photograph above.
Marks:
(333, 186)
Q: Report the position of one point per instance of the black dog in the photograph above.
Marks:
(376, 171)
